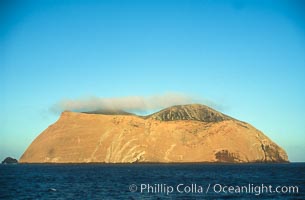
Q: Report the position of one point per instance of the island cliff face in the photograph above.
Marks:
(188, 133)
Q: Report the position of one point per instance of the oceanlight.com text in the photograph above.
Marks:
(195, 188)
(254, 189)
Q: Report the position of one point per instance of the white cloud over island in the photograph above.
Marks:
(128, 103)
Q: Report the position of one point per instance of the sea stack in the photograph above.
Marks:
(9, 160)
(178, 134)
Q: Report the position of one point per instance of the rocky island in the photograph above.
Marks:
(178, 134)
(10, 160)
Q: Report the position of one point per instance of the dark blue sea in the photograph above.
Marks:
(152, 181)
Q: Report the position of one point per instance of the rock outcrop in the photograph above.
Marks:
(188, 133)
(10, 160)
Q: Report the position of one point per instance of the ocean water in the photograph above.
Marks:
(152, 181)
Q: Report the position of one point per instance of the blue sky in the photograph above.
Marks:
(246, 56)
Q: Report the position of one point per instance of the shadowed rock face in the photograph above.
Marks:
(188, 133)
(9, 160)
(190, 112)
